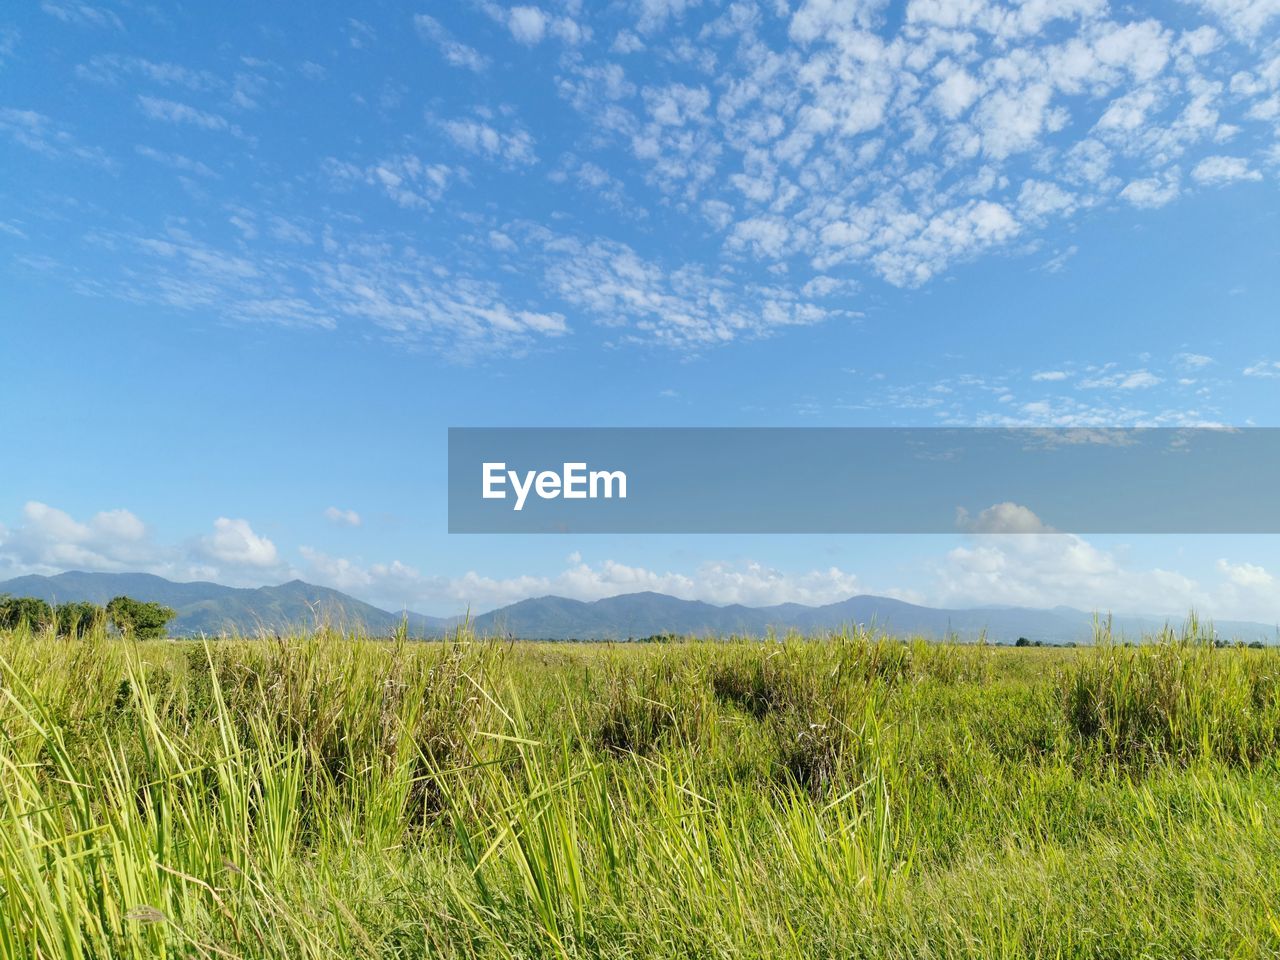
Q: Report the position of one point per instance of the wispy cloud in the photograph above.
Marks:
(456, 53)
(1121, 380)
(1267, 369)
(483, 140)
(406, 179)
(177, 161)
(41, 133)
(82, 14)
(172, 111)
(115, 69)
(790, 157)
(343, 518)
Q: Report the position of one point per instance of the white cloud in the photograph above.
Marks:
(682, 307)
(1267, 369)
(1009, 556)
(415, 303)
(907, 151)
(527, 24)
(42, 134)
(1249, 591)
(1012, 121)
(343, 518)
(171, 111)
(1042, 198)
(1152, 192)
(843, 145)
(360, 34)
(1058, 262)
(1220, 170)
(337, 278)
(112, 68)
(627, 42)
(1048, 569)
(1119, 380)
(1004, 517)
(956, 90)
(767, 236)
(816, 18)
(1247, 575)
(594, 178)
(823, 286)
(406, 179)
(9, 36)
(501, 242)
(1012, 558)
(82, 14)
(397, 584)
(233, 543)
(481, 139)
(912, 251)
(1049, 376)
(1193, 361)
(454, 52)
(654, 14)
(1245, 18)
(47, 540)
(177, 161)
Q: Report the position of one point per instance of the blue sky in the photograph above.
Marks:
(253, 267)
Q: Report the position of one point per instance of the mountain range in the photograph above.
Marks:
(212, 609)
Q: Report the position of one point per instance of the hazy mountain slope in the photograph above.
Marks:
(645, 614)
(211, 608)
(101, 587)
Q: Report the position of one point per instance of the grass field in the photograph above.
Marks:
(847, 796)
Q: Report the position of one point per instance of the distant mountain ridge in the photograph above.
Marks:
(646, 614)
(212, 609)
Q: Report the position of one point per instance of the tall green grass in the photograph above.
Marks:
(324, 795)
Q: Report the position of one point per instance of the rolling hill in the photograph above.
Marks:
(212, 608)
(646, 614)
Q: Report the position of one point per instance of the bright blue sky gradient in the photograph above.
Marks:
(253, 266)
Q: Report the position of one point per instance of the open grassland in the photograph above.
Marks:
(847, 796)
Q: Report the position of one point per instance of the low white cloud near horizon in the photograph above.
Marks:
(1004, 556)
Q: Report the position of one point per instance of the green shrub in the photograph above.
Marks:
(30, 613)
(652, 703)
(1175, 700)
(78, 618)
(139, 619)
(813, 697)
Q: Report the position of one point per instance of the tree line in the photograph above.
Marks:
(137, 619)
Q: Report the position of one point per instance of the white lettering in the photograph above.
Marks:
(575, 474)
(548, 484)
(494, 475)
(609, 477)
(521, 491)
(574, 482)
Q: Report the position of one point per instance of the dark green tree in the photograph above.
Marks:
(139, 619)
(77, 618)
(31, 611)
